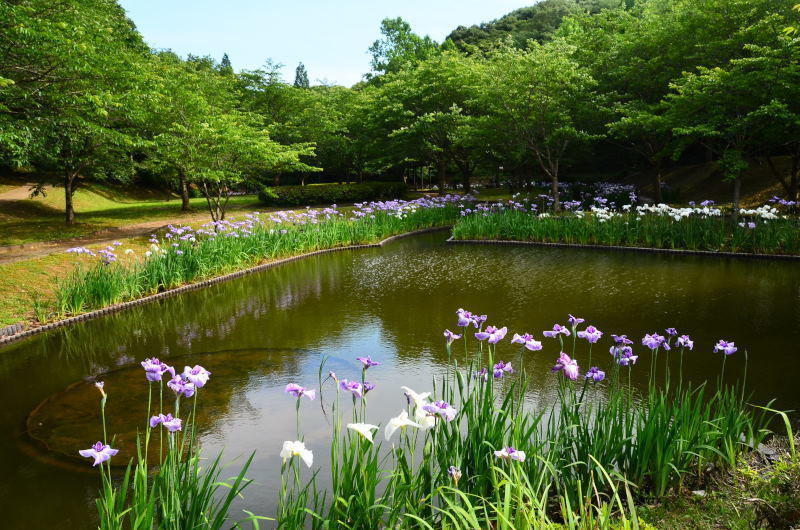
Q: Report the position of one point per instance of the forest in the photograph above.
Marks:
(565, 87)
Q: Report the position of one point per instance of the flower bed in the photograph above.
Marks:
(759, 231)
(470, 452)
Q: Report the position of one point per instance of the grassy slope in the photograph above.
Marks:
(97, 208)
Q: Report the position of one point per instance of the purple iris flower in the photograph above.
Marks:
(591, 334)
(454, 473)
(568, 365)
(509, 453)
(300, 391)
(441, 408)
(671, 332)
(626, 357)
(724, 346)
(99, 452)
(181, 387)
(685, 341)
(367, 361)
(450, 336)
(198, 375)
(654, 341)
(483, 373)
(172, 424)
(574, 321)
(621, 339)
(154, 369)
(528, 341)
(500, 369)
(368, 386)
(558, 329)
(595, 374)
(354, 387)
(464, 318)
(492, 333)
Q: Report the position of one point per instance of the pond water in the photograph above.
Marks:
(260, 332)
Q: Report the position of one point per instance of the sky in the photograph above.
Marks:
(330, 37)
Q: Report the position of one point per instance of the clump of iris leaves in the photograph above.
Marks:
(471, 450)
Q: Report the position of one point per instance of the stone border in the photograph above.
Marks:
(620, 248)
(16, 332)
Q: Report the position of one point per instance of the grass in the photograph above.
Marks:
(652, 230)
(97, 208)
(185, 255)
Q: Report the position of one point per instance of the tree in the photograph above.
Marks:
(225, 65)
(538, 99)
(399, 47)
(301, 76)
(68, 98)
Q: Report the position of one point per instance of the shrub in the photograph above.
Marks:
(331, 193)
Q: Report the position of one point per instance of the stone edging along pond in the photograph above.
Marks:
(17, 333)
(623, 248)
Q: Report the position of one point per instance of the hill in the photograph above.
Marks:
(537, 22)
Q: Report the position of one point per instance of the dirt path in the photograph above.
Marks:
(17, 194)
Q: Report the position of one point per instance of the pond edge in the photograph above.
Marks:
(20, 334)
(622, 248)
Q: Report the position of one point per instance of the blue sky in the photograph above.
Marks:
(330, 37)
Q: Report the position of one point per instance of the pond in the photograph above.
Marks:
(260, 332)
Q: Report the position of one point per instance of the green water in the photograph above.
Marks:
(260, 332)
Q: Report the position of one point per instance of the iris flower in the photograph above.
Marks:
(297, 448)
(399, 422)
(574, 321)
(181, 387)
(527, 340)
(626, 357)
(300, 391)
(367, 361)
(99, 452)
(364, 429)
(154, 369)
(441, 408)
(591, 334)
(509, 453)
(500, 369)
(595, 374)
(492, 333)
(685, 341)
(354, 387)
(568, 365)
(724, 346)
(654, 341)
(198, 375)
(558, 329)
(450, 336)
(454, 473)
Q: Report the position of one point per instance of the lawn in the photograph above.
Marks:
(98, 208)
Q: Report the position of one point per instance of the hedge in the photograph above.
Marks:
(331, 193)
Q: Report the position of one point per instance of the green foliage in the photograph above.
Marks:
(400, 47)
(301, 76)
(331, 193)
(538, 22)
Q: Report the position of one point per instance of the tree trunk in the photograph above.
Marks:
(184, 193)
(554, 190)
(442, 174)
(69, 211)
(467, 178)
(657, 197)
(276, 180)
(737, 190)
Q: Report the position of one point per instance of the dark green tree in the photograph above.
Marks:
(301, 76)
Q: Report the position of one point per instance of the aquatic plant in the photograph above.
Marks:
(762, 230)
(469, 452)
(184, 255)
(178, 492)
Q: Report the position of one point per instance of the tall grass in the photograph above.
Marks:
(589, 458)
(693, 231)
(184, 255)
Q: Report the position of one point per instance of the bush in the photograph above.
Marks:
(331, 193)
